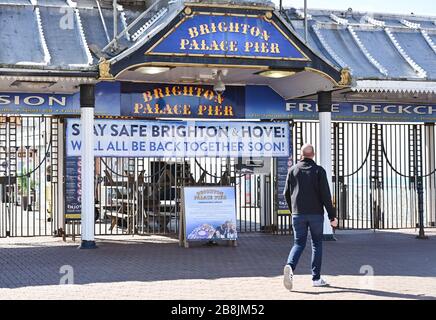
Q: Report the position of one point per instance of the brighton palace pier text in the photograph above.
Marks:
(262, 46)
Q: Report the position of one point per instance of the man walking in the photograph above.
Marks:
(307, 193)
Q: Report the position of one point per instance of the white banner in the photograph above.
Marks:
(131, 138)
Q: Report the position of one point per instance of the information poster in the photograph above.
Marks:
(209, 213)
(282, 168)
(73, 188)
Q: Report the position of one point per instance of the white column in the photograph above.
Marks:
(325, 158)
(430, 152)
(87, 160)
(325, 149)
(60, 190)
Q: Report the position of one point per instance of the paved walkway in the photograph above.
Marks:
(153, 267)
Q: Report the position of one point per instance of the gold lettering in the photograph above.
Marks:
(245, 28)
(228, 111)
(201, 109)
(167, 91)
(204, 29)
(193, 32)
(148, 109)
(210, 110)
(208, 94)
(166, 110)
(219, 98)
(275, 48)
(236, 27)
(188, 90)
(186, 109)
(255, 32)
(203, 45)
(215, 46)
(233, 46)
(264, 47)
(176, 109)
(218, 111)
(265, 35)
(137, 107)
(176, 91)
(222, 27)
(213, 27)
(183, 44)
(158, 93)
(147, 96)
(231, 29)
(194, 45)
(199, 91)
(248, 46)
(157, 109)
(223, 46)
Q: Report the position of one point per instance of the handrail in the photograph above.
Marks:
(102, 21)
(142, 15)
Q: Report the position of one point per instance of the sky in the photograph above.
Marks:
(418, 7)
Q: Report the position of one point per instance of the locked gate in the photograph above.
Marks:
(28, 176)
(143, 195)
(383, 174)
(383, 177)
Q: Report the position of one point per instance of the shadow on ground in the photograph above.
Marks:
(257, 255)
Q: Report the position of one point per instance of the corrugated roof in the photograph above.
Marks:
(56, 34)
(19, 36)
(60, 35)
(373, 46)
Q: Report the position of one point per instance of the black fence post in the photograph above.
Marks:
(420, 191)
(417, 163)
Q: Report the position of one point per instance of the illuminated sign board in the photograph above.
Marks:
(228, 35)
(182, 101)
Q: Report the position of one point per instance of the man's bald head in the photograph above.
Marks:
(307, 151)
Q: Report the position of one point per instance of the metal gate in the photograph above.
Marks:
(28, 176)
(143, 195)
(383, 174)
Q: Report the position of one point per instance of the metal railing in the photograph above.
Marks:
(151, 15)
(143, 195)
(383, 174)
(29, 176)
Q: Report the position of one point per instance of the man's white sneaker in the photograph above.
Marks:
(319, 283)
(288, 277)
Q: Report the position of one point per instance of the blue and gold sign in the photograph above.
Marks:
(181, 101)
(206, 34)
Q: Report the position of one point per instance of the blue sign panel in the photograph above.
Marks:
(107, 99)
(283, 165)
(181, 101)
(73, 188)
(24, 103)
(107, 102)
(262, 102)
(228, 36)
(346, 111)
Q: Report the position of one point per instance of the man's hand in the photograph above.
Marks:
(334, 223)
